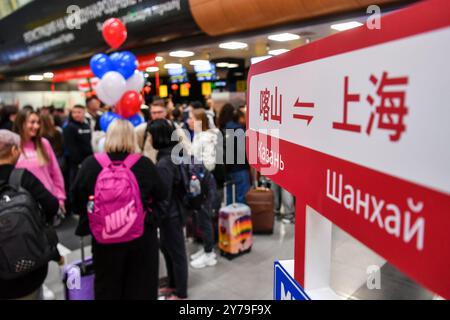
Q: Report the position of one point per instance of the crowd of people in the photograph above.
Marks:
(63, 166)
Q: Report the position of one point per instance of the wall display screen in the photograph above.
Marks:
(205, 72)
(178, 75)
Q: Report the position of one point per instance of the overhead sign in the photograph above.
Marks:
(70, 30)
(357, 126)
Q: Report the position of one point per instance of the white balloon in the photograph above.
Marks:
(100, 93)
(136, 81)
(111, 88)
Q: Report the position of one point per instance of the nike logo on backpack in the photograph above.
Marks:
(119, 222)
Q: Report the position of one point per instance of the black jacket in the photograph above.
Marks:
(18, 288)
(172, 206)
(239, 147)
(7, 125)
(150, 184)
(77, 141)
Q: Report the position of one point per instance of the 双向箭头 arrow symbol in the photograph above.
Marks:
(299, 104)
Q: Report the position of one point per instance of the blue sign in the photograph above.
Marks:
(285, 287)
(178, 75)
(205, 72)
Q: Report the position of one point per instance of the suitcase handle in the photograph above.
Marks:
(233, 191)
(83, 258)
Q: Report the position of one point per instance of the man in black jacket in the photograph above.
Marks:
(27, 287)
(77, 142)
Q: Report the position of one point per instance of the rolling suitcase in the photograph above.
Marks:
(235, 228)
(261, 202)
(78, 278)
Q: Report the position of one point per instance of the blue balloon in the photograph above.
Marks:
(136, 120)
(124, 62)
(107, 118)
(100, 64)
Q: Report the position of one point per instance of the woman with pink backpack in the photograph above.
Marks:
(114, 192)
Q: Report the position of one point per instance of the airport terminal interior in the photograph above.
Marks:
(224, 150)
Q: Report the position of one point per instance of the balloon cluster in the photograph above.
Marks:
(120, 80)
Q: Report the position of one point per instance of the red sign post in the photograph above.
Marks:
(356, 126)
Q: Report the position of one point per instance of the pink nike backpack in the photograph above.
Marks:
(118, 215)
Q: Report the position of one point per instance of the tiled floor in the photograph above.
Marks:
(251, 276)
(247, 277)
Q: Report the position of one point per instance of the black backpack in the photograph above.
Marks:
(208, 185)
(26, 242)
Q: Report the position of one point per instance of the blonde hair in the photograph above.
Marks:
(120, 137)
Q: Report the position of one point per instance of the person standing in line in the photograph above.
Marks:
(158, 110)
(92, 116)
(234, 135)
(284, 198)
(8, 114)
(124, 270)
(77, 141)
(29, 286)
(204, 150)
(170, 212)
(54, 135)
(59, 117)
(93, 113)
(38, 156)
(210, 115)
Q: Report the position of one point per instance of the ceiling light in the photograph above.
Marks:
(259, 59)
(222, 64)
(277, 51)
(35, 77)
(233, 45)
(346, 25)
(152, 69)
(48, 75)
(181, 54)
(233, 65)
(159, 59)
(199, 62)
(172, 66)
(284, 37)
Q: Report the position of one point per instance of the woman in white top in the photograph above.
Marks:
(203, 149)
(205, 140)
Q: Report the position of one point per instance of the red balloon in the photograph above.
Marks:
(114, 32)
(129, 104)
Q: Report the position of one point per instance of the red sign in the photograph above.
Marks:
(356, 126)
(72, 73)
(62, 75)
(147, 61)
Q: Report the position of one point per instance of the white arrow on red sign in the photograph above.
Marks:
(299, 104)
